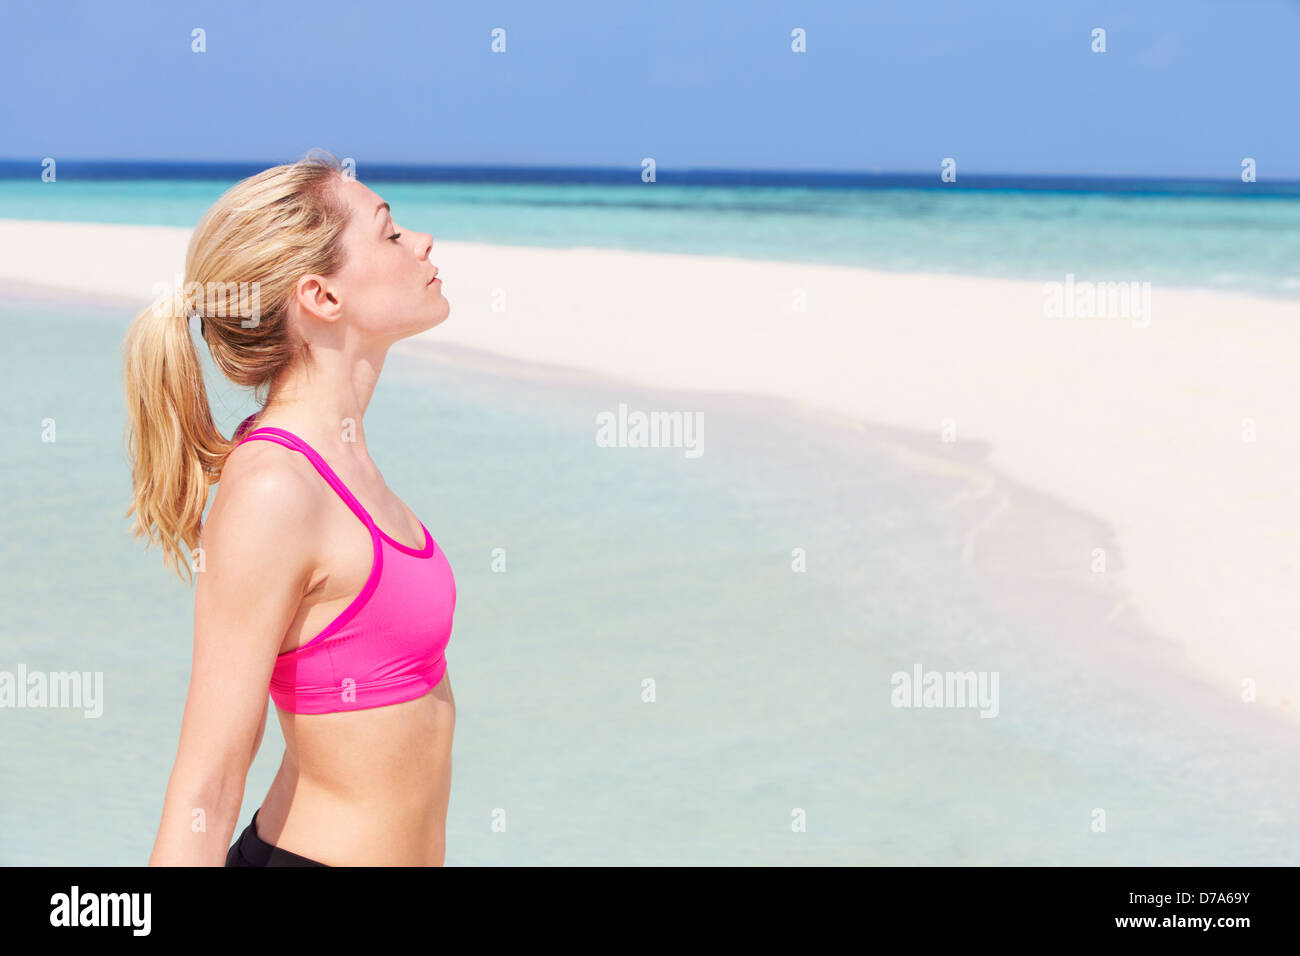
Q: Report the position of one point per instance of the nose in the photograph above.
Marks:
(423, 245)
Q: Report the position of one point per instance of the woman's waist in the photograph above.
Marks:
(399, 828)
(386, 774)
(374, 753)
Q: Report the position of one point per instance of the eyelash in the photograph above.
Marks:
(395, 236)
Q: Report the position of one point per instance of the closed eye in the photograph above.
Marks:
(395, 236)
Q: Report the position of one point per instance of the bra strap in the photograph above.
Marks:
(290, 440)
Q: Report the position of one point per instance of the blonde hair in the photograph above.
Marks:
(263, 234)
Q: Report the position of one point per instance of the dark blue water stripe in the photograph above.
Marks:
(81, 169)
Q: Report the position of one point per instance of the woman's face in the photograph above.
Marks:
(386, 286)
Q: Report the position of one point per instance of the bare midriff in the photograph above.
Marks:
(365, 787)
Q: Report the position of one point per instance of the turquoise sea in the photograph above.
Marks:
(772, 687)
(1219, 237)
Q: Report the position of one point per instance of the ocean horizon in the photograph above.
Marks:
(1219, 235)
(137, 169)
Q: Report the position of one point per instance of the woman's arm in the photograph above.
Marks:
(258, 549)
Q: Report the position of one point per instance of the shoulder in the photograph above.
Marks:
(266, 491)
(261, 547)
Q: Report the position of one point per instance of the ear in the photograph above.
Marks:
(316, 296)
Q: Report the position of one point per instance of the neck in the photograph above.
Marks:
(323, 400)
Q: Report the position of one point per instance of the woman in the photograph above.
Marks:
(314, 579)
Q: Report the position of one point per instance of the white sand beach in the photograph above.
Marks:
(1180, 435)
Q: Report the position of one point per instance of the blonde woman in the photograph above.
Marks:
(314, 581)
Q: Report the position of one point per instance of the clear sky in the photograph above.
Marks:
(1186, 87)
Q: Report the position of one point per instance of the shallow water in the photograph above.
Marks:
(625, 565)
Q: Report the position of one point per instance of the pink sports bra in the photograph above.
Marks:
(387, 645)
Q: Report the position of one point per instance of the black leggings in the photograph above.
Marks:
(251, 850)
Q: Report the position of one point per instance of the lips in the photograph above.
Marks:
(433, 280)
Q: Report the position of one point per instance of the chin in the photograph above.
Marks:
(439, 315)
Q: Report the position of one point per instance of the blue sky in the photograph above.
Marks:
(1186, 87)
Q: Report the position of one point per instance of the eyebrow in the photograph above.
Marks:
(383, 205)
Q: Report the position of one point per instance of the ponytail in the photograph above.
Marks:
(172, 441)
